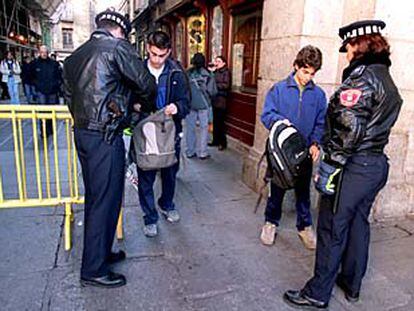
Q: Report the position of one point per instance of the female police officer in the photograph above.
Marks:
(354, 169)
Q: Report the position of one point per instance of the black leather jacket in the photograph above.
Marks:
(362, 112)
(102, 72)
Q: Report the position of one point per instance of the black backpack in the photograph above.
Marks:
(286, 153)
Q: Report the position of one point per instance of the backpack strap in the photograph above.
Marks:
(266, 179)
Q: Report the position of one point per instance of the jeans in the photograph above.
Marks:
(191, 133)
(13, 88)
(47, 99)
(273, 212)
(146, 181)
(30, 93)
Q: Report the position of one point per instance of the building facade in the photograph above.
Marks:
(24, 25)
(72, 24)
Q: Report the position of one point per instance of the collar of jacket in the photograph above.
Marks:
(101, 32)
(291, 82)
(169, 65)
(367, 59)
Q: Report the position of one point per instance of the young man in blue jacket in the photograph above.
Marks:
(174, 96)
(298, 101)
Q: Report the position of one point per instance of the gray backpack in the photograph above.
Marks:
(154, 142)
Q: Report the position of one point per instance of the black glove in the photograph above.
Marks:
(328, 178)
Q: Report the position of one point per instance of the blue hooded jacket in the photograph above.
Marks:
(306, 112)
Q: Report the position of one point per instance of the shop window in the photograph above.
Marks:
(179, 36)
(196, 36)
(67, 38)
(217, 32)
(246, 50)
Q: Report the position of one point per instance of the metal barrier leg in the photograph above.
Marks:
(68, 218)
(119, 228)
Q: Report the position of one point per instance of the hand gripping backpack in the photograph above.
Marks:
(154, 142)
(286, 152)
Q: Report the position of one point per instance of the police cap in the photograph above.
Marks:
(357, 29)
(119, 19)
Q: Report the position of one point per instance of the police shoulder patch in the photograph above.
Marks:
(350, 97)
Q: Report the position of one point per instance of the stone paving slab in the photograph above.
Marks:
(211, 260)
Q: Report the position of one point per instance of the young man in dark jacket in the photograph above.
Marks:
(173, 96)
(102, 80)
(47, 78)
(298, 101)
(27, 79)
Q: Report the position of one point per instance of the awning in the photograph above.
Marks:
(14, 43)
(43, 7)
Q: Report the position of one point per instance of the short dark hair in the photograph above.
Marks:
(198, 60)
(108, 25)
(373, 44)
(309, 56)
(160, 39)
(223, 59)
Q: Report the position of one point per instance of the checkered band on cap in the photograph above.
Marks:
(365, 30)
(115, 17)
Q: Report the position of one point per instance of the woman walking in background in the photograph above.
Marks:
(222, 77)
(203, 89)
(10, 70)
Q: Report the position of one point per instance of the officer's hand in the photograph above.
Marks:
(137, 107)
(314, 152)
(327, 178)
(171, 109)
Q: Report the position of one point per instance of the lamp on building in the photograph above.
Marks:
(11, 34)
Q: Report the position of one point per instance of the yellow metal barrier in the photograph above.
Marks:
(37, 118)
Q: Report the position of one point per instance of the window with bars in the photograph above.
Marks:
(67, 38)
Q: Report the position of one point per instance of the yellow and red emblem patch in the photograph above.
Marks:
(350, 97)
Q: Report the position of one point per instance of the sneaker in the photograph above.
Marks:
(308, 238)
(268, 234)
(171, 215)
(190, 156)
(207, 156)
(151, 230)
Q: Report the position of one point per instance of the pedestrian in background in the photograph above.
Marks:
(173, 96)
(203, 90)
(354, 169)
(296, 100)
(27, 80)
(222, 78)
(10, 70)
(47, 77)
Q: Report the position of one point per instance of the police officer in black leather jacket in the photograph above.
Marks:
(354, 169)
(103, 78)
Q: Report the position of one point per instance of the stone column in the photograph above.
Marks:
(287, 26)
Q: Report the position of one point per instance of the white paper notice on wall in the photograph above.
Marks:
(237, 68)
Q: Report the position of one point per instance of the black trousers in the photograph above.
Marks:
(343, 235)
(219, 127)
(103, 170)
